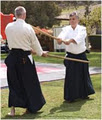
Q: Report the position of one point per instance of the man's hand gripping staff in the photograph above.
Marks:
(59, 41)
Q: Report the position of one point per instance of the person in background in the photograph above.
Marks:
(77, 79)
(24, 86)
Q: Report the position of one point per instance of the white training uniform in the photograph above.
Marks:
(21, 35)
(78, 34)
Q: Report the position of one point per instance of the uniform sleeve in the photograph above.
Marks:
(35, 45)
(62, 34)
(81, 35)
(8, 35)
(6, 28)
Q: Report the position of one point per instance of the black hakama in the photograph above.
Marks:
(24, 86)
(77, 80)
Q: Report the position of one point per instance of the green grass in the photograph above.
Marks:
(3, 56)
(55, 107)
(94, 58)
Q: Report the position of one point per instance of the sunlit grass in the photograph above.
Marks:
(55, 107)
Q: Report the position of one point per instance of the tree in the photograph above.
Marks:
(39, 13)
(94, 20)
(8, 7)
(71, 4)
(44, 14)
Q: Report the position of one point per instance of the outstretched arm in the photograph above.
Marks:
(67, 42)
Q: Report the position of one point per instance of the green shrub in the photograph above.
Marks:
(95, 41)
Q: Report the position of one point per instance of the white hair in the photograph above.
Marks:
(74, 14)
(19, 11)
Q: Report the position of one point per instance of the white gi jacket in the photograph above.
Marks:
(78, 34)
(21, 35)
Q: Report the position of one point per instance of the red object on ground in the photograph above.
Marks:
(4, 20)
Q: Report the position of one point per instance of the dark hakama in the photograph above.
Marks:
(24, 86)
(77, 80)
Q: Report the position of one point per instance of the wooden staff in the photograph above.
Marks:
(35, 28)
(72, 59)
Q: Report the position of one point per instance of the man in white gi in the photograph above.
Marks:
(77, 80)
(24, 86)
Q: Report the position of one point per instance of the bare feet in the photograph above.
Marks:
(12, 113)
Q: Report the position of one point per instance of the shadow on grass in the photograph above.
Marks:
(24, 116)
(69, 107)
(64, 107)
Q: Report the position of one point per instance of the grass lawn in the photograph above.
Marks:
(55, 107)
(94, 58)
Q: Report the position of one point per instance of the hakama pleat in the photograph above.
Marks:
(77, 80)
(24, 86)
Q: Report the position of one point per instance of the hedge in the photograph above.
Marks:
(95, 41)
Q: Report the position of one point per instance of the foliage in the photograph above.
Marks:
(40, 13)
(75, 4)
(87, 10)
(93, 21)
(96, 17)
(8, 7)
